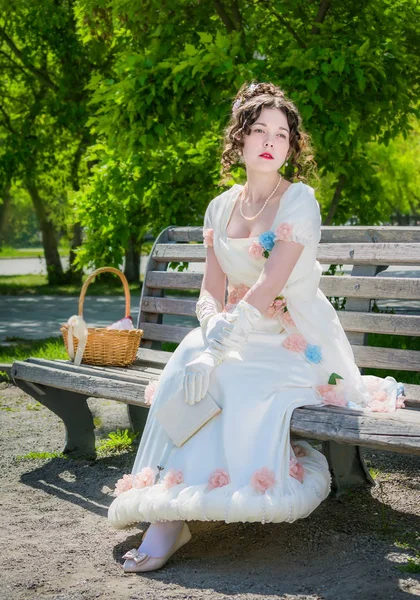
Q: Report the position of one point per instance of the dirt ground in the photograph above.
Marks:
(56, 542)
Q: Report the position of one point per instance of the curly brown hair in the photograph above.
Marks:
(246, 108)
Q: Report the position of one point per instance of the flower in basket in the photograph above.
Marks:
(263, 246)
(125, 323)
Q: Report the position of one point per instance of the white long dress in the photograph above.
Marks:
(241, 465)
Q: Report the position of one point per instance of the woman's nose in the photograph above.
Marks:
(268, 143)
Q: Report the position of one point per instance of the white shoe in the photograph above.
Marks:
(137, 562)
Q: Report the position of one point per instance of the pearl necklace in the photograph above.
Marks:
(265, 203)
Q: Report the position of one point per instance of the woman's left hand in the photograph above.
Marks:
(197, 377)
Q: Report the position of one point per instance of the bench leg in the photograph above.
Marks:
(347, 467)
(138, 417)
(72, 408)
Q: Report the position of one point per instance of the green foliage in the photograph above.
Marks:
(17, 285)
(118, 441)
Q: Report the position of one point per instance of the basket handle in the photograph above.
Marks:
(92, 277)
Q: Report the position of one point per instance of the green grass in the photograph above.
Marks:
(117, 441)
(49, 348)
(37, 285)
(9, 252)
(40, 455)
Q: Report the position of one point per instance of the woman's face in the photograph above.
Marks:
(266, 146)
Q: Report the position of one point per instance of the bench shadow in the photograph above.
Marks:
(335, 545)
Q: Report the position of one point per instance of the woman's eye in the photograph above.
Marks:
(282, 135)
(258, 129)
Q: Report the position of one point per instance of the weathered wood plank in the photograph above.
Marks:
(401, 288)
(349, 254)
(386, 358)
(89, 385)
(351, 321)
(114, 373)
(399, 431)
(329, 234)
(380, 323)
(380, 288)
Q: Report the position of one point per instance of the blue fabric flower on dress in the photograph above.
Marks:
(313, 353)
(266, 240)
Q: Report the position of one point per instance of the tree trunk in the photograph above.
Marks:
(4, 209)
(336, 199)
(132, 260)
(75, 273)
(49, 240)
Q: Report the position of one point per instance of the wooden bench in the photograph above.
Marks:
(64, 388)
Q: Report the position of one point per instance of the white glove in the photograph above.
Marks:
(230, 332)
(197, 377)
(206, 307)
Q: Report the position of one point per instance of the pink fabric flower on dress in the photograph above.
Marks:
(144, 478)
(276, 308)
(298, 450)
(208, 237)
(331, 394)
(263, 479)
(237, 293)
(286, 319)
(295, 342)
(172, 478)
(296, 470)
(256, 250)
(284, 232)
(149, 392)
(123, 484)
(218, 478)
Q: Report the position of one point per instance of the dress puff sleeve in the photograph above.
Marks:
(301, 220)
(208, 230)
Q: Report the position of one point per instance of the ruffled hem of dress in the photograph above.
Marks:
(196, 503)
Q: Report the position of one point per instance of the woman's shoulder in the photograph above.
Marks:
(306, 197)
(224, 197)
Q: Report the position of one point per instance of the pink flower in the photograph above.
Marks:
(296, 470)
(295, 342)
(256, 250)
(331, 394)
(377, 406)
(276, 308)
(263, 479)
(237, 293)
(286, 319)
(380, 396)
(298, 450)
(218, 478)
(149, 392)
(284, 232)
(144, 478)
(208, 237)
(400, 402)
(123, 484)
(172, 478)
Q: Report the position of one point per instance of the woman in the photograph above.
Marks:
(276, 345)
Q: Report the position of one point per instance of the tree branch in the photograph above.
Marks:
(43, 77)
(320, 16)
(336, 199)
(229, 24)
(285, 23)
(8, 121)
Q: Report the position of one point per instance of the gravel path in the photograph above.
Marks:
(57, 544)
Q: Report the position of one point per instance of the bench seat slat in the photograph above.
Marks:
(398, 431)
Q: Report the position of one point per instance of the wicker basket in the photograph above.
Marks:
(107, 346)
